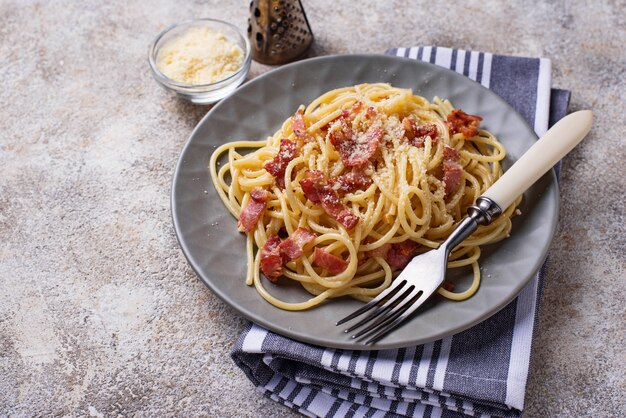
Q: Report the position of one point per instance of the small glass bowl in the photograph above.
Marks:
(202, 93)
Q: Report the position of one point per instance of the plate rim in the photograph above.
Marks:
(348, 343)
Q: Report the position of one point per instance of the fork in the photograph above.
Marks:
(426, 272)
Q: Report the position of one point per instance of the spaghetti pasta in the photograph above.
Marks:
(353, 186)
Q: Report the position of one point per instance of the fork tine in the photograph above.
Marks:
(407, 295)
(381, 309)
(395, 285)
(384, 329)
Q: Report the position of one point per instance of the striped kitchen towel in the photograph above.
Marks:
(480, 372)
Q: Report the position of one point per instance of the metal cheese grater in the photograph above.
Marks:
(278, 30)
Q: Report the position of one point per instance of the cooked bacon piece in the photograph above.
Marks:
(318, 190)
(416, 134)
(351, 182)
(451, 154)
(278, 165)
(351, 111)
(354, 149)
(271, 260)
(348, 113)
(253, 211)
(409, 126)
(423, 131)
(449, 286)
(259, 194)
(347, 219)
(299, 128)
(365, 147)
(342, 135)
(401, 253)
(314, 179)
(381, 251)
(356, 106)
(334, 207)
(452, 170)
(327, 261)
(459, 121)
(291, 248)
(276, 253)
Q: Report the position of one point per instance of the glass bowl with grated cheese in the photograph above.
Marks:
(202, 60)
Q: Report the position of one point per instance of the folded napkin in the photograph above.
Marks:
(479, 372)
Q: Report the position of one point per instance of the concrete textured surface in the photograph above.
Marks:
(100, 314)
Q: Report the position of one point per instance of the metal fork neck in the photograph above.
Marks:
(482, 213)
(464, 230)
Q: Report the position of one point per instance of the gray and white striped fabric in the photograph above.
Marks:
(481, 372)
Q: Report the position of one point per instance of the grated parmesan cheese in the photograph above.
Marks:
(199, 56)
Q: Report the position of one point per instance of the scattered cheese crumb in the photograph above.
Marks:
(199, 56)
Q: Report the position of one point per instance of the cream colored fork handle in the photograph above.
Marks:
(542, 156)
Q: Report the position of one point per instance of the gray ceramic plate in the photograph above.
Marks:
(208, 235)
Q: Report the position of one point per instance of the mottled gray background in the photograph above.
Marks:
(99, 312)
